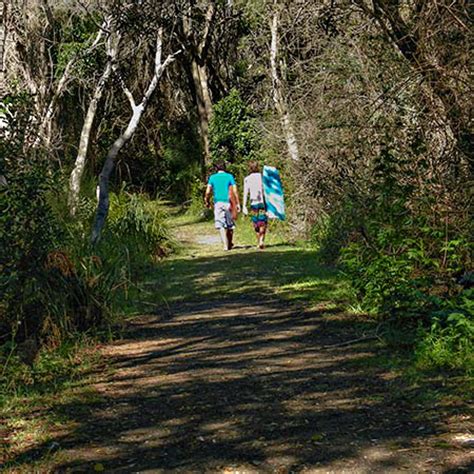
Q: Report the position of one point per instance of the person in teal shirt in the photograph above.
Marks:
(222, 186)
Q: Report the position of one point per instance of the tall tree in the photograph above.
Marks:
(112, 44)
(277, 87)
(196, 38)
(45, 57)
(3, 39)
(137, 112)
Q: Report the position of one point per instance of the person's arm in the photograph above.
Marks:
(207, 196)
(236, 196)
(246, 192)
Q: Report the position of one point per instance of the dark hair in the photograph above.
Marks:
(254, 167)
(220, 166)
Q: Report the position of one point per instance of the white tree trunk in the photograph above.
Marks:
(278, 97)
(46, 126)
(80, 163)
(104, 177)
(137, 112)
(3, 38)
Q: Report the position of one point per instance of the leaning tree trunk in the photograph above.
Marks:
(80, 163)
(104, 177)
(278, 97)
(137, 112)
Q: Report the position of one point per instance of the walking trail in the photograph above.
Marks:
(242, 366)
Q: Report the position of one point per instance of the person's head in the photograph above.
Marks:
(220, 166)
(254, 167)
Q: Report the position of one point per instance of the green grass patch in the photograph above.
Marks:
(32, 400)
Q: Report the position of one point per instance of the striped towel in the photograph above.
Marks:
(273, 190)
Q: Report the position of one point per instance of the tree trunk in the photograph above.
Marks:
(137, 112)
(104, 177)
(278, 97)
(204, 106)
(198, 51)
(80, 163)
(45, 130)
(3, 38)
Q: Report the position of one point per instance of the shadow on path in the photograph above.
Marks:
(246, 383)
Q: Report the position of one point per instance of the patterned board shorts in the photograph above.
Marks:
(222, 216)
(258, 215)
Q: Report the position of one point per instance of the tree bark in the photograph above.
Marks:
(45, 129)
(204, 106)
(277, 89)
(3, 38)
(137, 112)
(197, 51)
(80, 163)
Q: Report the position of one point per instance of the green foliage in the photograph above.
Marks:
(77, 35)
(233, 132)
(16, 111)
(449, 342)
(180, 163)
(139, 222)
(29, 231)
(331, 232)
(53, 367)
(196, 205)
(51, 285)
(404, 252)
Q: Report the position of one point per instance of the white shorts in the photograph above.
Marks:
(222, 216)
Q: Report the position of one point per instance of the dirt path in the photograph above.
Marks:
(225, 379)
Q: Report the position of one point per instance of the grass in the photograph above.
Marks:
(203, 271)
(30, 399)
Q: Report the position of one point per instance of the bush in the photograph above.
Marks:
(29, 231)
(449, 342)
(233, 134)
(51, 284)
(196, 206)
(139, 224)
(406, 250)
(54, 286)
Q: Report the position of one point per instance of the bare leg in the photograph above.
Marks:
(223, 233)
(261, 237)
(230, 235)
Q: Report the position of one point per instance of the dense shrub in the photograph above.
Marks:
(404, 243)
(449, 342)
(138, 223)
(29, 231)
(51, 284)
(233, 133)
